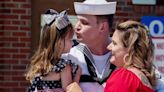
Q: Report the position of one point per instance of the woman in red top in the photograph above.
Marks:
(132, 52)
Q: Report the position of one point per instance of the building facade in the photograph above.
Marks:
(19, 33)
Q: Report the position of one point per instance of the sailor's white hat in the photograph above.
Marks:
(95, 7)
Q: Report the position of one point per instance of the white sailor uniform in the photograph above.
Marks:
(91, 80)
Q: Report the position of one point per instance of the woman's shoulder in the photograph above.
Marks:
(130, 79)
(124, 79)
(127, 75)
(141, 76)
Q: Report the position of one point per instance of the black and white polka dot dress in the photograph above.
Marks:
(44, 85)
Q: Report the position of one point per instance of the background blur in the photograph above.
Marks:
(20, 23)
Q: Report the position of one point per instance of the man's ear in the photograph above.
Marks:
(103, 26)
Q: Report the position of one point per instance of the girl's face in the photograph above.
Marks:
(117, 49)
(67, 43)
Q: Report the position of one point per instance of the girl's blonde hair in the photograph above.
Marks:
(49, 51)
(136, 38)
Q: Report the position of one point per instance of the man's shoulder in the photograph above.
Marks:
(77, 47)
(73, 49)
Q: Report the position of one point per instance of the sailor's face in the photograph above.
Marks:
(86, 28)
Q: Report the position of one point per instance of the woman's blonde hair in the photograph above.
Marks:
(49, 51)
(135, 36)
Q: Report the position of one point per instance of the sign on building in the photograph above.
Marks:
(156, 26)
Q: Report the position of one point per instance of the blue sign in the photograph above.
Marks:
(155, 25)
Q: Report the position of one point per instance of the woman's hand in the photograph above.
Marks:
(73, 87)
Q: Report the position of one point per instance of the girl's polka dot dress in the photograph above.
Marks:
(45, 85)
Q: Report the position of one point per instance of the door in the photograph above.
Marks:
(39, 7)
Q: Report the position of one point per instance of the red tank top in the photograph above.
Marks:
(123, 80)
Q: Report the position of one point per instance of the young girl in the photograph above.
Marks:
(47, 71)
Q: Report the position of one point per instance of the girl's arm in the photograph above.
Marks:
(77, 75)
(66, 76)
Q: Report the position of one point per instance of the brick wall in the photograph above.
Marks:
(126, 10)
(15, 25)
(15, 37)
